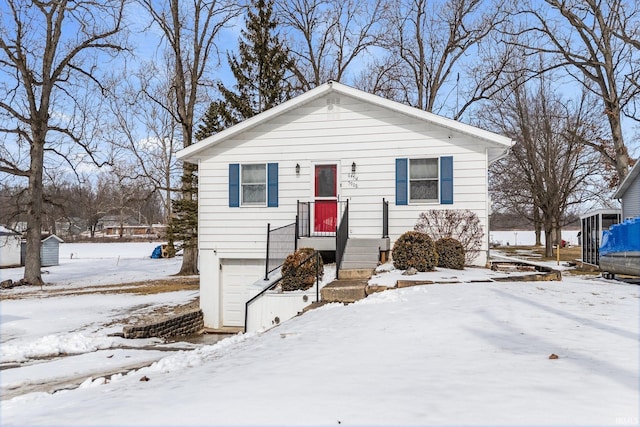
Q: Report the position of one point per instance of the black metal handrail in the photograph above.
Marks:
(385, 218)
(281, 242)
(315, 256)
(342, 235)
(308, 214)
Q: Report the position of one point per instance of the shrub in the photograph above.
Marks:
(461, 224)
(450, 253)
(414, 249)
(298, 274)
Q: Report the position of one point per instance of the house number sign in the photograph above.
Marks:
(352, 180)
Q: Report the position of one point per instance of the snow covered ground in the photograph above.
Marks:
(87, 264)
(452, 354)
(527, 237)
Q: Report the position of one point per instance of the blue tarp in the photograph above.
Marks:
(157, 252)
(623, 237)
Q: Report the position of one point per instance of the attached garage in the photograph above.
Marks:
(236, 275)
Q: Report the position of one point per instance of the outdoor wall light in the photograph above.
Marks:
(353, 167)
(297, 168)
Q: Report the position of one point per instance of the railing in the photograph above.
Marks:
(319, 218)
(281, 242)
(342, 235)
(385, 218)
(316, 259)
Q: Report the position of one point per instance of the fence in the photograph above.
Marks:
(281, 242)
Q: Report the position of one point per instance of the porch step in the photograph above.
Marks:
(355, 273)
(361, 254)
(344, 290)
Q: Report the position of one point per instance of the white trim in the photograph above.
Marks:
(624, 185)
(266, 186)
(192, 152)
(435, 201)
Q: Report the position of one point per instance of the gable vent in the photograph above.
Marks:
(332, 101)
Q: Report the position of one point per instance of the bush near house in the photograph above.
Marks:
(460, 224)
(415, 249)
(450, 253)
(299, 272)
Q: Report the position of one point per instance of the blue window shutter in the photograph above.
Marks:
(234, 185)
(401, 182)
(446, 180)
(272, 185)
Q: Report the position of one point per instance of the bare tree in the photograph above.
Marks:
(48, 64)
(549, 169)
(597, 43)
(146, 131)
(190, 31)
(429, 41)
(326, 37)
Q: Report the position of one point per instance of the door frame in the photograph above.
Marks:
(313, 197)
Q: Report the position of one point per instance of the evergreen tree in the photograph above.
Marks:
(261, 70)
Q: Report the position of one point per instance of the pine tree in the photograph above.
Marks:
(261, 70)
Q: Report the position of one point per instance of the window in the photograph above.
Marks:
(254, 184)
(423, 180)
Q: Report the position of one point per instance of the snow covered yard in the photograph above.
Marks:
(59, 335)
(468, 353)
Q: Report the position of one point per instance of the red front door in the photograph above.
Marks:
(326, 199)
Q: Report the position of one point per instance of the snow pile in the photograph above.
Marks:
(464, 354)
(55, 345)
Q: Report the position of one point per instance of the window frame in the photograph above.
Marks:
(437, 179)
(265, 184)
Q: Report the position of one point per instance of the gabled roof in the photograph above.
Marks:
(192, 152)
(4, 231)
(44, 238)
(633, 173)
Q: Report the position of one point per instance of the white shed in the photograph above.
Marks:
(9, 248)
(331, 150)
(49, 250)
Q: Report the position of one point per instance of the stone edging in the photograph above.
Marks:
(184, 324)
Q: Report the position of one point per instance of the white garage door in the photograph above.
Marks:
(237, 275)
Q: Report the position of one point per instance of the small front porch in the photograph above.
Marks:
(326, 227)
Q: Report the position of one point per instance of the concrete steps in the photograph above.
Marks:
(361, 254)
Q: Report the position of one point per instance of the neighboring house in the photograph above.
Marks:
(9, 247)
(310, 155)
(629, 193)
(49, 250)
(70, 227)
(118, 226)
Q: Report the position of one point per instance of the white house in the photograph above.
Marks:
(9, 247)
(307, 158)
(629, 193)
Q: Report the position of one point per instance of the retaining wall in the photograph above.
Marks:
(184, 324)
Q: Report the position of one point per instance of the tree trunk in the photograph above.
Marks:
(537, 224)
(34, 214)
(548, 243)
(189, 262)
(621, 153)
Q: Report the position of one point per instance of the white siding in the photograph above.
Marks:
(352, 131)
(233, 240)
(9, 251)
(631, 200)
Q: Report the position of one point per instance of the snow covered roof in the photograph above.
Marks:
(191, 153)
(52, 236)
(633, 173)
(4, 231)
